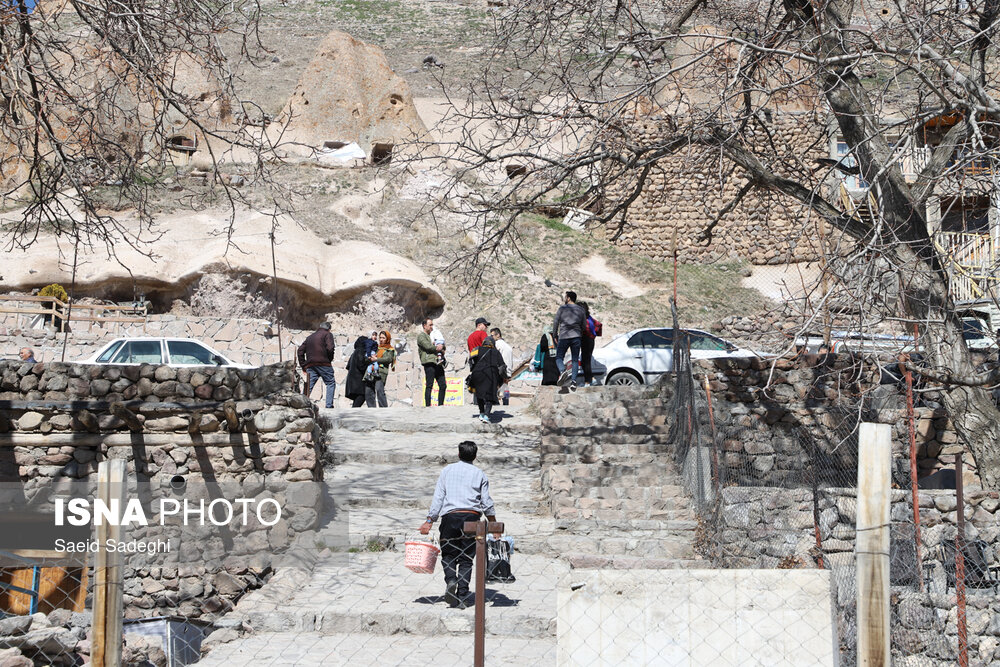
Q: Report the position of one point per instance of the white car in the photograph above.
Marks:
(643, 355)
(168, 351)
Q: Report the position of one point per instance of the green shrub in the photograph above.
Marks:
(55, 290)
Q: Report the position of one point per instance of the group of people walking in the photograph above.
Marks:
(491, 360)
(575, 330)
(367, 369)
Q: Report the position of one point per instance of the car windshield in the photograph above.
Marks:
(108, 353)
(189, 352)
(707, 342)
(652, 338)
(139, 352)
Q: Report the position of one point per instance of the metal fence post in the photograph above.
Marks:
(911, 427)
(960, 617)
(480, 529)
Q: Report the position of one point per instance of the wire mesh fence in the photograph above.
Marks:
(649, 525)
(781, 491)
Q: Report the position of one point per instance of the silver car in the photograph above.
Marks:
(168, 351)
(643, 355)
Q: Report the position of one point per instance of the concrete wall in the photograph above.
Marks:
(697, 617)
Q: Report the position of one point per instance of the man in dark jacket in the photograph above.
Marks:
(316, 357)
(568, 327)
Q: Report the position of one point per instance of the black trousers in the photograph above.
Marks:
(434, 372)
(485, 407)
(586, 357)
(457, 550)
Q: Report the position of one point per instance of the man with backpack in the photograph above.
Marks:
(568, 326)
(315, 356)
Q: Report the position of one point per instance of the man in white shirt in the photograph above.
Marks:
(462, 494)
(507, 352)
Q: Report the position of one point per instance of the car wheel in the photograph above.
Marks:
(622, 378)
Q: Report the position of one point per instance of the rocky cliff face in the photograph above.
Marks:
(349, 93)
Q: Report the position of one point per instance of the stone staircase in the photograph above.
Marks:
(589, 485)
(358, 604)
(617, 498)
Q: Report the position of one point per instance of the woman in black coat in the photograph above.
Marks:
(488, 374)
(550, 372)
(354, 388)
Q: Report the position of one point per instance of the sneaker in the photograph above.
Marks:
(484, 418)
(572, 386)
(565, 375)
(451, 595)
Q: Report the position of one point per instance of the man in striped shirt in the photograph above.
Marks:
(462, 494)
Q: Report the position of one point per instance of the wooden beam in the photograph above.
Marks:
(232, 416)
(78, 439)
(872, 545)
(130, 418)
(106, 644)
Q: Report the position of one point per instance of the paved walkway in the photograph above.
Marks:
(359, 606)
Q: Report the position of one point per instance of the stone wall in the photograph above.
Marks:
(58, 421)
(251, 342)
(684, 192)
(771, 422)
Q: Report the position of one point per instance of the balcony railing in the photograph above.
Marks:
(971, 261)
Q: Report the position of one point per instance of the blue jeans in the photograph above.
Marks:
(325, 372)
(574, 347)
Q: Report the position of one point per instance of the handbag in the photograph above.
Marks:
(498, 562)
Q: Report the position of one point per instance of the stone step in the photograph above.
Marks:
(659, 546)
(381, 447)
(296, 648)
(363, 527)
(578, 426)
(364, 484)
(676, 525)
(458, 419)
(655, 441)
(372, 593)
(576, 479)
(592, 562)
(651, 494)
(531, 506)
(668, 508)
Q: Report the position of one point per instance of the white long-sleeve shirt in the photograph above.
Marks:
(461, 486)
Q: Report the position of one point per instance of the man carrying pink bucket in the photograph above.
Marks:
(462, 494)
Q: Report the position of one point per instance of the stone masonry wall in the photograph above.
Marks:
(685, 191)
(56, 423)
(247, 341)
(767, 434)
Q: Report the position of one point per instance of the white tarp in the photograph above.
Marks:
(344, 156)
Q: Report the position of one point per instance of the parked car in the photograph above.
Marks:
(643, 355)
(854, 341)
(169, 351)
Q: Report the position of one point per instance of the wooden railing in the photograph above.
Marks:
(971, 260)
(58, 312)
